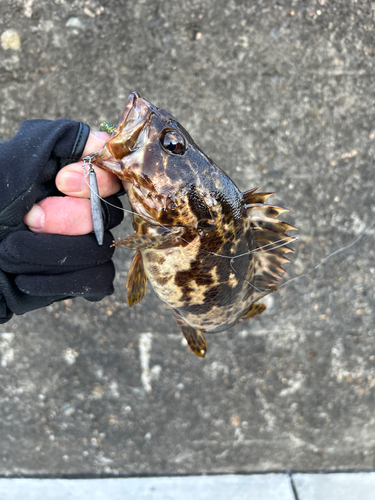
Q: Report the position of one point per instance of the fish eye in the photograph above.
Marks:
(173, 142)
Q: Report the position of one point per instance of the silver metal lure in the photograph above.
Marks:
(96, 209)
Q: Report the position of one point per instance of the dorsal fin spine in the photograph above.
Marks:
(269, 237)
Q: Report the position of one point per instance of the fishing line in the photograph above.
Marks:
(287, 240)
(331, 255)
(247, 281)
(269, 246)
(85, 174)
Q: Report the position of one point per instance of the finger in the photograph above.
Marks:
(72, 215)
(60, 215)
(95, 142)
(71, 181)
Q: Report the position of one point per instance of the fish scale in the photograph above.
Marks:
(209, 251)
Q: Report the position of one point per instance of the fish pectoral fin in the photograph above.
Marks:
(194, 337)
(144, 241)
(254, 310)
(136, 283)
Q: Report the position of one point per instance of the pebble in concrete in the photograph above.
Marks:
(10, 39)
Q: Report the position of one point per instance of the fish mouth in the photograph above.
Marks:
(130, 134)
(126, 138)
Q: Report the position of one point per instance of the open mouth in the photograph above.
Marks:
(129, 131)
(130, 135)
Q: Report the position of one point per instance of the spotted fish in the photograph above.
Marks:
(209, 251)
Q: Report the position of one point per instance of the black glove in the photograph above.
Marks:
(37, 269)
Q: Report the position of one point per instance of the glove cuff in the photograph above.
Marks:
(80, 143)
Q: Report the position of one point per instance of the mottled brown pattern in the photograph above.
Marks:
(209, 251)
(155, 257)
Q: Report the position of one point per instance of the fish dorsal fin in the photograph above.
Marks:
(269, 237)
(247, 194)
(252, 196)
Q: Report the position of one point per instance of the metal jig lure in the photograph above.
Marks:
(96, 209)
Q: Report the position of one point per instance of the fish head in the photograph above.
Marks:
(169, 180)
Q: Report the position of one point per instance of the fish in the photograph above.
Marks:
(210, 251)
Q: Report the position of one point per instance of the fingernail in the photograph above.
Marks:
(35, 218)
(72, 182)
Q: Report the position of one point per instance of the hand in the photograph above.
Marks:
(71, 214)
(57, 259)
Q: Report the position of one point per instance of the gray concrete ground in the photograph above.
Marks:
(281, 95)
(265, 487)
(255, 487)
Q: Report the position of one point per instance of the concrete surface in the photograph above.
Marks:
(335, 486)
(281, 95)
(257, 487)
(338, 486)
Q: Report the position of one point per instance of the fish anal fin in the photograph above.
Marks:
(254, 310)
(194, 337)
(136, 282)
